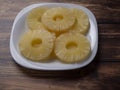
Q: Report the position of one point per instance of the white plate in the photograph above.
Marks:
(19, 28)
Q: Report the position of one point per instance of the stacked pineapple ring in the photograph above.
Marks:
(56, 32)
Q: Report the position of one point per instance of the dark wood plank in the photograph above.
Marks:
(109, 42)
(95, 76)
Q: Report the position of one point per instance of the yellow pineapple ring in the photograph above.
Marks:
(36, 45)
(34, 18)
(58, 19)
(82, 21)
(72, 47)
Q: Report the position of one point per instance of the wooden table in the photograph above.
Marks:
(102, 74)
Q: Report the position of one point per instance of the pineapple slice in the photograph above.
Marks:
(36, 45)
(82, 22)
(58, 19)
(34, 18)
(72, 47)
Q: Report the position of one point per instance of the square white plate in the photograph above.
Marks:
(19, 28)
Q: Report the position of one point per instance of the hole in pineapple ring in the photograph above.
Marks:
(39, 19)
(36, 42)
(71, 45)
(57, 17)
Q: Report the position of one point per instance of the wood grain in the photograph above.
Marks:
(95, 76)
(103, 73)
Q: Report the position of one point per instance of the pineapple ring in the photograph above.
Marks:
(36, 45)
(82, 22)
(58, 19)
(72, 47)
(34, 18)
